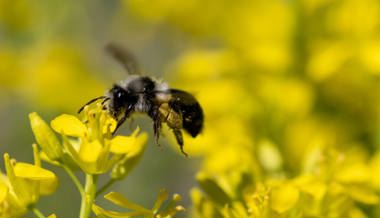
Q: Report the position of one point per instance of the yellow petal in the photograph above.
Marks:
(140, 143)
(52, 216)
(29, 171)
(89, 151)
(128, 144)
(46, 179)
(284, 198)
(356, 173)
(311, 185)
(363, 194)
(3, 192)
(122, 144)
(48, 187)
(134, 155)
(69, 125)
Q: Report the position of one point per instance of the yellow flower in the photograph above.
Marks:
(284, 197)
(91, 144)
(332, 185)
(125, 165)
(9, 205)
(23, 185)
(158, 210)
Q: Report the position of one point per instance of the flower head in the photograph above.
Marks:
(91, 144)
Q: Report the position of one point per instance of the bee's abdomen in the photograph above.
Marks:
(192, 119)
(190, 110)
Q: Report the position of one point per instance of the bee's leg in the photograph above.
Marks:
(154, 114)
(157, 129)
(119, 123)
(179, 138)
(122, 119)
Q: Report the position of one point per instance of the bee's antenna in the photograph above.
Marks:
(92, 101)
(105, 100)
(125, 57)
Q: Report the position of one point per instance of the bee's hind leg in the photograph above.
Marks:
(179, 137)
(154, 114)
(156, 130)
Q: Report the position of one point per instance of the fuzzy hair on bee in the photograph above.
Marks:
(143, 94)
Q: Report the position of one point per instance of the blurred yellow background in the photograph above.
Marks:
(286, 87)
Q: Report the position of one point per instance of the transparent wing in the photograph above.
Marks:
(125, 57)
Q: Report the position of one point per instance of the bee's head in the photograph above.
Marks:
(121, 100)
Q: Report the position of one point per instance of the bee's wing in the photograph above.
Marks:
(125, 57)
(191, 111)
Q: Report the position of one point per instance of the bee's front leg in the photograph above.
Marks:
(126, 114)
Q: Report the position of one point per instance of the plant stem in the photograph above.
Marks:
(89, 195)
(38, 213)
(106, 186)
(75, 179)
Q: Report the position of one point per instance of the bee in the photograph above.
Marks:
(143, 94)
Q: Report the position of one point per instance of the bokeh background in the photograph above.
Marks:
(285, 85)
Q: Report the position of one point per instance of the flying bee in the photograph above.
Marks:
(178, 109)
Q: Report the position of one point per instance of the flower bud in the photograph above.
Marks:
(45, 137)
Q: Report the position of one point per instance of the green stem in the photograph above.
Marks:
(106, 186)
(75, 179)
(89, 196)
(37, 212)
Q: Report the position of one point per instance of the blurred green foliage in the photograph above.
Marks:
(290, 90)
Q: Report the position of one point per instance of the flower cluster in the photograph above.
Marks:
(333, 184)
(291, 101)
(86, 145)
(290, 91)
